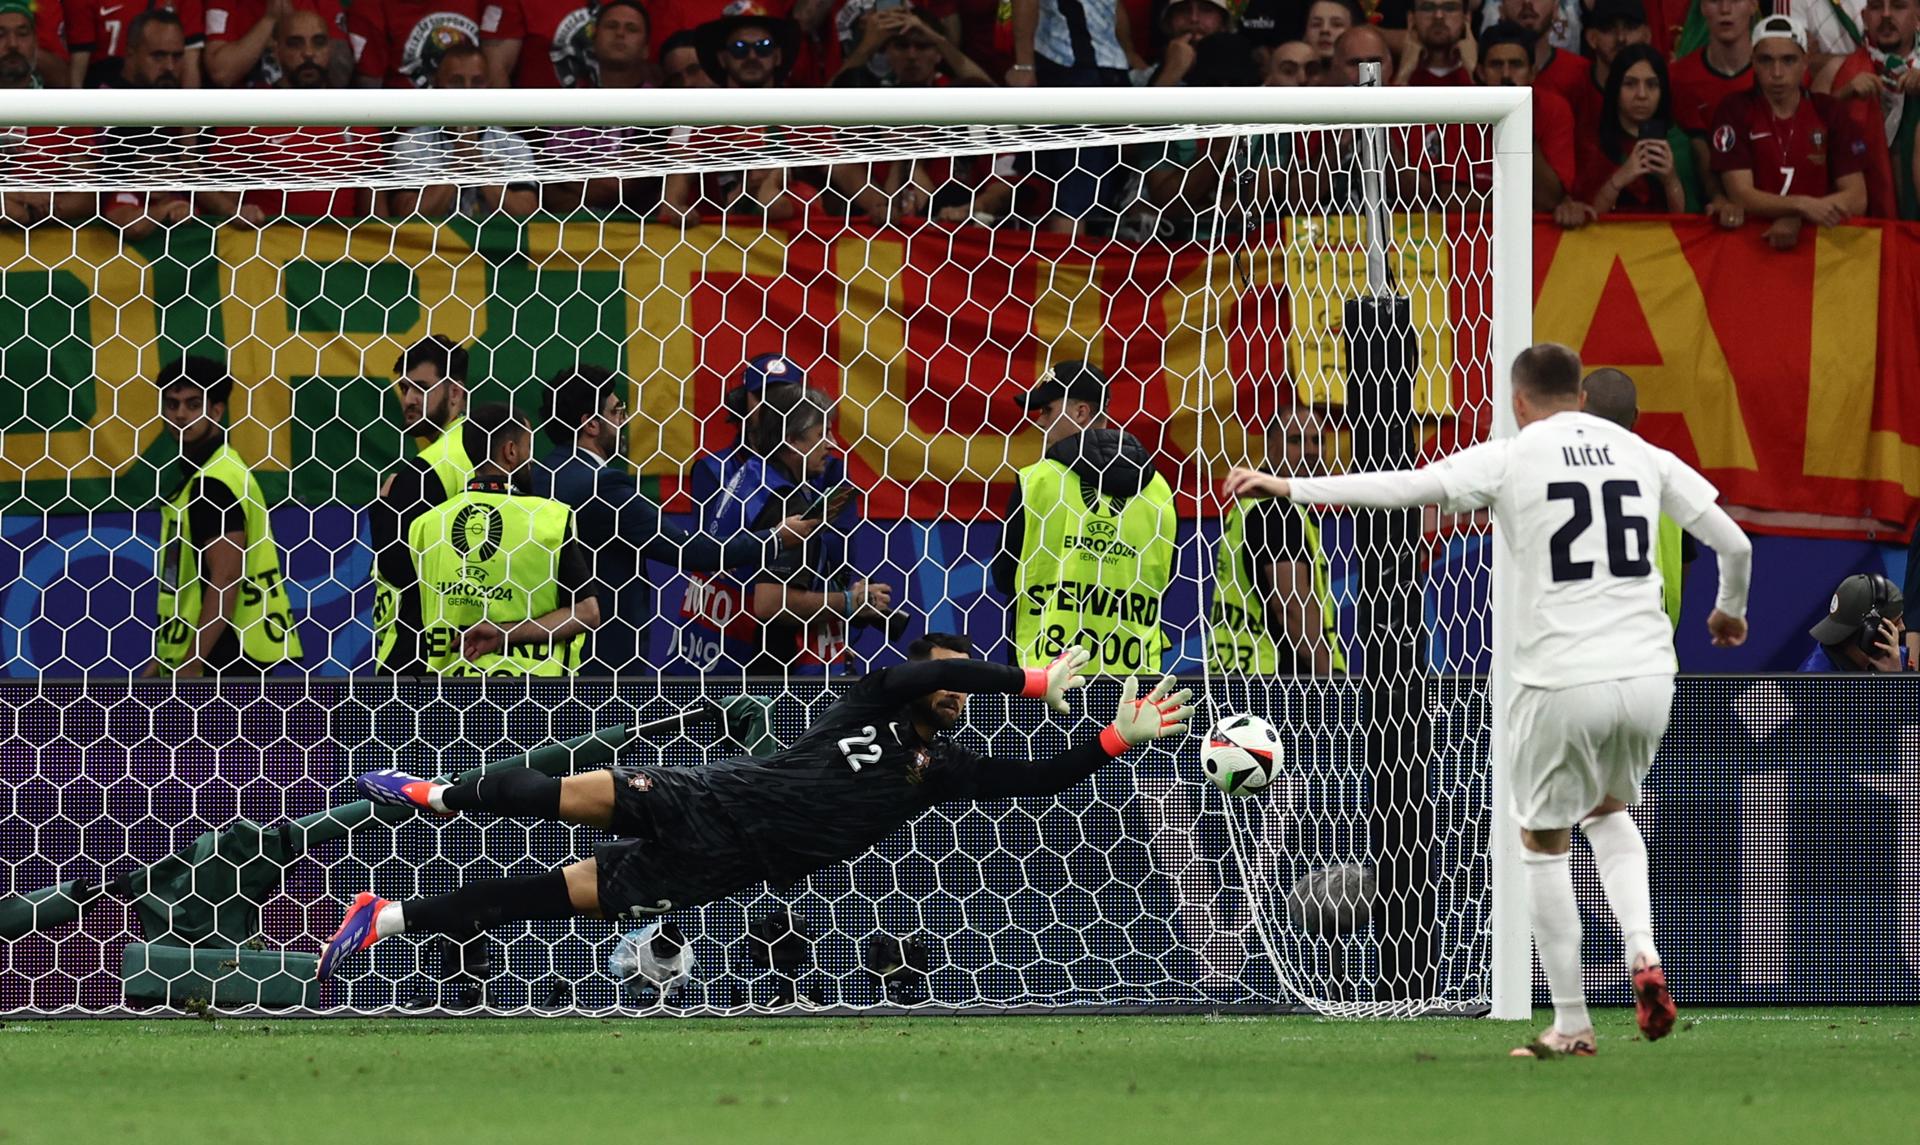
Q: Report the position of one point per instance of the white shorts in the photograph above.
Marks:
(1574, 747)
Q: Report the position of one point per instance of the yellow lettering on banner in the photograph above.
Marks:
(875, 418)
(1199, 309)
(660, 278)
(124, 323)
(1325, 261)
(1693, 378)
(1841, 440)
(264, 350)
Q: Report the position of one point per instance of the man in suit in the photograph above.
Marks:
(586, 414)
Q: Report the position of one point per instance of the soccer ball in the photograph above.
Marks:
(1242, 754)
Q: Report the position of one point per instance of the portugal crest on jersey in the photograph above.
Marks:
(430, 38)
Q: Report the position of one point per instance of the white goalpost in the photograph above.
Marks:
(1362, 254)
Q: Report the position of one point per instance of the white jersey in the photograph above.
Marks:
(1578, 500)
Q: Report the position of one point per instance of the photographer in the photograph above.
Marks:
(792, 613)
(1862, 630)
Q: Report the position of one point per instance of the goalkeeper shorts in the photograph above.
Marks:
(1574, 747)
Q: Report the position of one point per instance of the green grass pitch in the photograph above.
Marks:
(1804, 1076)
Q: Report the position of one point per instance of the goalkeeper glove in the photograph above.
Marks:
(1060, 676)
(1163, 713)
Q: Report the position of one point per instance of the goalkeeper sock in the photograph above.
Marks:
(489, 903)
(1621, 856)
(1556, 935)
(517, 791)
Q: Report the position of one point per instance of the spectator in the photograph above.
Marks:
(1864, 625)
(1834, 27)
(453, 160)
(1702, 79)
(791, 614)
(1292, 64)
(1638, 160)
(242, 34)
(1610, 26)
(1567, 74)
(35, 149)
(1507, 52)
(1611, 394)
(504, 587)
(1189, 23)
(1438, 50)
(1272, 611)
(401, 43)
(1360, 44)
(1327, 21)
(1325, 165)
(674, 17)
(431, 384)
(737, 52)
(680, 65)
(54, 60)
(1783, 153)
(1874, 86)
(1087, 552)
(542, 43)
(223, 601)
(619, 60)
(710, 470)
(912, 51)
(1190, 188)
(1559, 25)
(155, 60)
(1074, 43)
(619, 528)
(302, 52)
(99, 49)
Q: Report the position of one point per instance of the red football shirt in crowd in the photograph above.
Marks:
(1597, 167)
(327, 152)
(1427, 77)
(1465, 151)
(555, 48)
(229, 20)
(1804, 154)
(1571, 76)
(100, 26)
(399, 42)
(1698, 90)
(50, 22)
(670, 16)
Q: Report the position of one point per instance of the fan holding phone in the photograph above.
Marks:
(1639, 161)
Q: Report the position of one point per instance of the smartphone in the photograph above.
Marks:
(816, 509)
(1653, 129)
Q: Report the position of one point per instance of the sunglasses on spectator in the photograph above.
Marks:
(765, 46)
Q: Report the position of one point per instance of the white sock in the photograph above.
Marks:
(391, 920)
(1621, 855)
(433, 798)
(1556, 935)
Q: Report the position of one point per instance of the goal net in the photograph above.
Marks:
(1311, 280)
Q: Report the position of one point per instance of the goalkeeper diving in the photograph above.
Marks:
(693, 835)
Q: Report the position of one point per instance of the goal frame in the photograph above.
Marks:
(1507, 111)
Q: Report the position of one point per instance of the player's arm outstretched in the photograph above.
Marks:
(1052, 683)
(1161, 713)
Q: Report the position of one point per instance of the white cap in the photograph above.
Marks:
(1781, 28)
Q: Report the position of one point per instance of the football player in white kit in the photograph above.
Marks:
(1577, 499)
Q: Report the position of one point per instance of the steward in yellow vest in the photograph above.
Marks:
(223, 600)
(1273, 611)
(1092, 555)
(431, 386)
(503, 587)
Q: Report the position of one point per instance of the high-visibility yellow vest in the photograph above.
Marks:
(262, 616)
(1092, 572)
(447, 458)
(1668, 552)
(491, 556)
(1242, 639)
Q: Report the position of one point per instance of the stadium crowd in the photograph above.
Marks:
(1708, 107)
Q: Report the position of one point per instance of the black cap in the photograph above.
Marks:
(1858, 595)
(1616, 14)
(1072, 379)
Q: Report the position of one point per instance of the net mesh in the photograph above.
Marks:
(920, 278)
